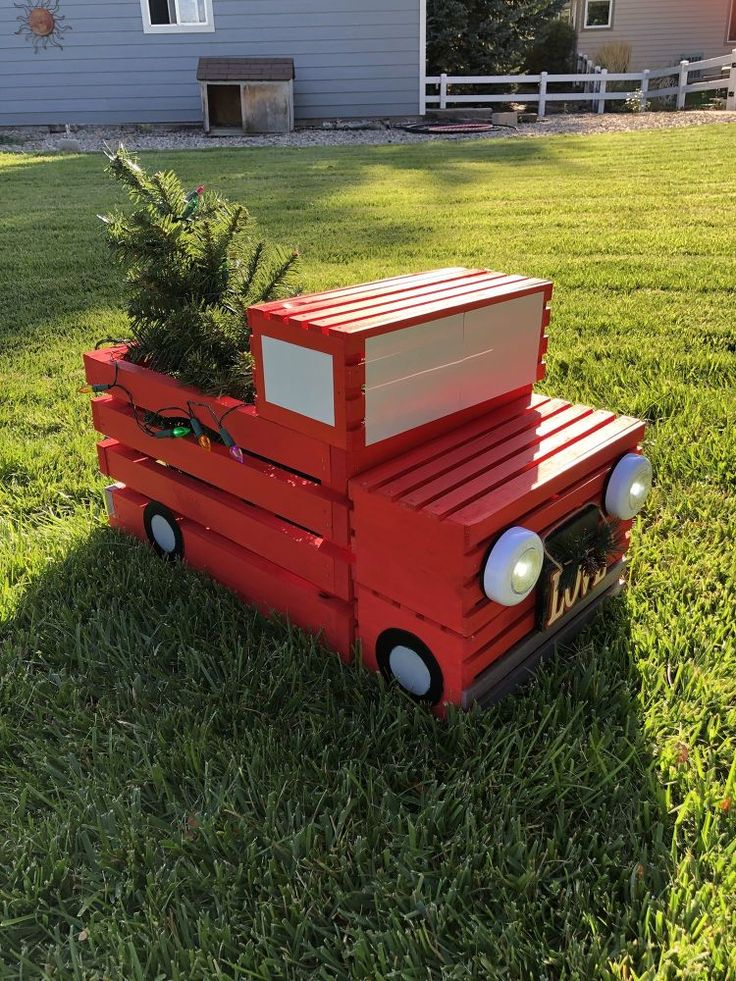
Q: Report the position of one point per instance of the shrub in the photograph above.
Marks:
(636, 102)
(615, 56)
(554, 50)
(663, 101)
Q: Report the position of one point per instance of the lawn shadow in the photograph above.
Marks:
(151, 710)
(54, 265)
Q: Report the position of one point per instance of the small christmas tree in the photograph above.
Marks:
(192, 272)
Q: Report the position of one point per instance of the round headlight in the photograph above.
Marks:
(629, 486)
(512, 568)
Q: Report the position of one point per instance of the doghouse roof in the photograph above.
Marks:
(245, 69)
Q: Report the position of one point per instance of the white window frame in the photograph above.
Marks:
(598, 27)
(207, 28)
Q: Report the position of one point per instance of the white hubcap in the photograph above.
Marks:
(409, 670)
(163, 533)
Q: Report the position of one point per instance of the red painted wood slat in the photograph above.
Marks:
(151, 391)
(360, 458)
(563, 430)
(279, 309)
(489, 513)
(469, 457)
(428, 450)
(284, 544)
(361, 308)
(295, 498)
(433, 308)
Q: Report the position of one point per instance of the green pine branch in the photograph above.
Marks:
(191, 281)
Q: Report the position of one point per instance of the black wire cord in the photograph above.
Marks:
(111, 342)
(188, 413)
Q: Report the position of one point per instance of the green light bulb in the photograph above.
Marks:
(179, 431)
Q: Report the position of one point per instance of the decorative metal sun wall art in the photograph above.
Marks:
(41, 23)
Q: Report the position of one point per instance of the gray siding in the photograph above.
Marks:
(352, 59)
(662, 32)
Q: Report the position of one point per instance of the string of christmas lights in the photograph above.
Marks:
(179, 429)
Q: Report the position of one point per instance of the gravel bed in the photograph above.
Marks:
(90, 139)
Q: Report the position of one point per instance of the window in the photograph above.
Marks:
(299, 379)
(732, 22)
(172, 16)
(598, 14)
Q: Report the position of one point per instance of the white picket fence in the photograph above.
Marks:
(592, 84)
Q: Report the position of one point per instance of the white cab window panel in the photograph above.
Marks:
(426, 372)
(402, 353)
(299, 379)
(177, 16)
(501, 348)
(410, 402)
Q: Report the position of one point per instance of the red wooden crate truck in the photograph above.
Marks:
(396, 483)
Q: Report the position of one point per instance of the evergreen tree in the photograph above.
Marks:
(553, 51)
(192, 270)
(483, 37)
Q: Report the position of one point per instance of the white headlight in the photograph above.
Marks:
(629, 486)
(513, 566)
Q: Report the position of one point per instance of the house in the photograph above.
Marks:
(661, 32)
(135, 61)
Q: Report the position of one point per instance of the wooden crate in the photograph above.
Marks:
(287, 545)
(150, 390)
(375, 369)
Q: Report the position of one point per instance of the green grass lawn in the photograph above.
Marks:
(189, 791)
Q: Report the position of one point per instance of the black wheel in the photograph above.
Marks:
(406, 659)
(163, 531)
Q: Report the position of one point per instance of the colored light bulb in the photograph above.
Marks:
(176, 433)
(204, 442)
(237, 454)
